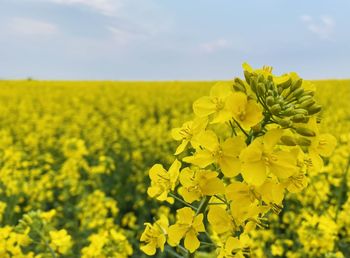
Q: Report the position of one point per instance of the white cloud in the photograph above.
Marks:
(106, 7)
(322, 28)
(30, 27)
(215, 45)
(124, 36)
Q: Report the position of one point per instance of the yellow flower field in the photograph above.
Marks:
(115, 169)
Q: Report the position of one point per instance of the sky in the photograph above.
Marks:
(172, 39)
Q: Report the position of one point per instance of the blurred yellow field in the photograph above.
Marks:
(75, 158)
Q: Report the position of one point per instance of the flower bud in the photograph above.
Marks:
(286, 84)
(279, 90)
(298, 118)
(305, 131)
(288, 140)
(247, 76)
(275, 109)
(261, 78)
(253, 84)
(301, 111)
(298, 92)
(304, 98)
(288, 112)
(270, 100)
(309, 92)
(302, 141)
(307, 103)
(283, 122)
(296, 85)
(261, 89)
(239, 85)
(314, 109)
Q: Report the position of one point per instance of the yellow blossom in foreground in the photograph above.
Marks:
(162, 182)
(225, 154)
(187, 226)
(234, 248)
(198, 183)
(220, 219)
(245, 111)
(215, 104)
(186, 134)
(154, 236)
(260, 158)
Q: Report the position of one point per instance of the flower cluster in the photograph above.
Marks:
(249, 144)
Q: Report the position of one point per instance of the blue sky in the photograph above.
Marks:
(172, 40)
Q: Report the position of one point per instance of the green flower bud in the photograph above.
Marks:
(301, 111)
(298, 92)
(261, 78)
(239, 85)
(314, 109)
(285, 85)
(302, 141)
(279, 90)
(275, 109)
(307, 103)
(305, 131)
(270, 100)
(288, 112)
(304, 98)
(283, 122)
(261, 89)
(288, 140)
(309, 92)
(296, 84)
(247, 76)
(298, 118)
(253, 84)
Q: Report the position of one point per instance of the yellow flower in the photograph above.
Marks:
(215, 104)
(242, 193)
(154, 236)
(60, 241)
(187, 226)
(272, 194)
(265, 71)
(234, 247)
(260, 158)
(226, 154)
(162, 182)
(198, 183)
(221, 220)
(321, 145)
(187, 132)
(246, 112)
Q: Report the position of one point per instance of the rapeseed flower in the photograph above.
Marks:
(225, 154)
(162, 181)
(187, 226)
(261, 158)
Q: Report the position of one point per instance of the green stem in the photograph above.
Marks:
(182, 201)
(233, 128)
(173, 253)
(53, 254)
(221, 199)
(203, 205)
(240, 127)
